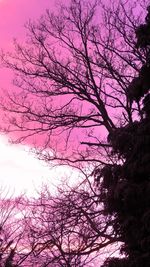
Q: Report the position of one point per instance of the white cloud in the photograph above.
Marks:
(22, 172)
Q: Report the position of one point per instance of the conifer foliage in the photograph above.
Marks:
(126, 187)
(77, 75)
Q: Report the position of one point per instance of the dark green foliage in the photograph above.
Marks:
(140, 85)
(143, 32)
(115, 262)
(126, 187)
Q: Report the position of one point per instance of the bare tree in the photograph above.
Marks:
(82, 82)
(67, 230)
(11, 231)
(72, 80)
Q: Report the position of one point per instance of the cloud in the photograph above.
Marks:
(21, 172)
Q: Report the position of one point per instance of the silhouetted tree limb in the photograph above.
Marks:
(73, 76)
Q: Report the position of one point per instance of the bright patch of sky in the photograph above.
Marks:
(21, 172)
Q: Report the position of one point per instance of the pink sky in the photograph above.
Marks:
(13, 16)
(19, 170)
(16, 167)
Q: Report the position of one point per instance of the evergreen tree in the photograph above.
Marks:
(90, 72)
(126, 187)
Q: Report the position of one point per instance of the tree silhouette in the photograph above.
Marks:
(11, 231)
(65, 230)
(86, 79)
(72, 80)
(127, 187)
(68, 229)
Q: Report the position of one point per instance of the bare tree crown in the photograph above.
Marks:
(75, 78)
